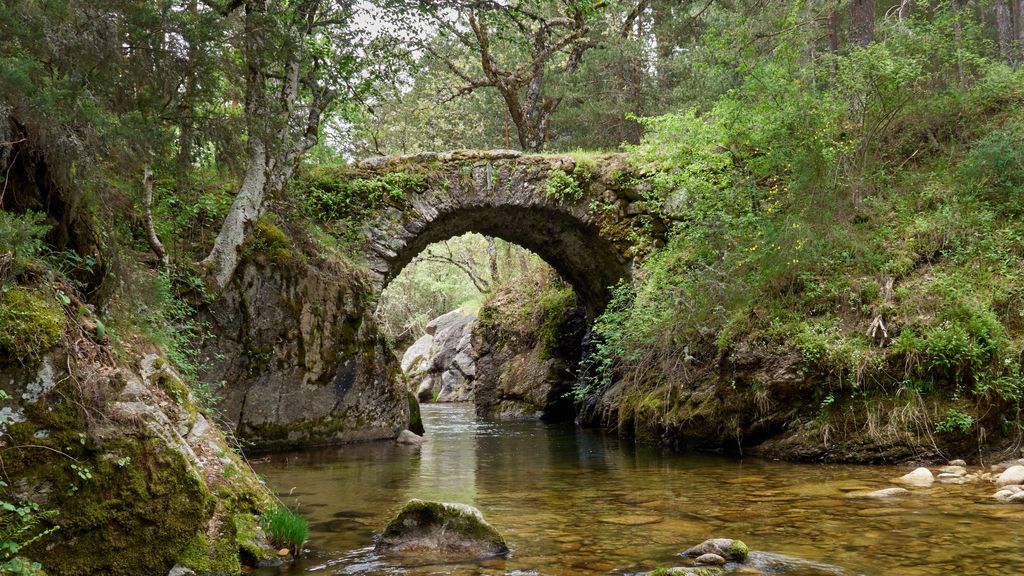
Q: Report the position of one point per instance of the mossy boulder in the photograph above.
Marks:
(454, 531)
(30, 323)
(140, 481)
(731, 550)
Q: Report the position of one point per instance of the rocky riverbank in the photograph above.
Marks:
(515, 359)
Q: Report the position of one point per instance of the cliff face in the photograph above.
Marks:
(440, 365)
(300, 356)
(527, 349)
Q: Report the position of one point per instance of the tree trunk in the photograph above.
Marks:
(147, 212)
(862, 21)
(1004, 30)
(1018, 23)
(959, 33)
(245, 210)
(661, 13)
(492, 260)
(833, 43)
(906, 7)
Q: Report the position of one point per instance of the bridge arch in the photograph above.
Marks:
(584, 216)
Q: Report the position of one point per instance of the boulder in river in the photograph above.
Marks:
(1012, 475)
(441, 361)
(454, 531)
(1010, 493)
(918, 477)
(732, 550)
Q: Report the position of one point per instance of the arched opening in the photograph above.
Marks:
(576, 250)
(484, 320)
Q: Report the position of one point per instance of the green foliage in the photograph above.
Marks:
(994, 168)
(795, 196)
(563, 187)
(555, 301)
(955, 422)
(31, 323)
(22, 236)
(332, 194)
(19, 527)
(268, 240)
(285, 527)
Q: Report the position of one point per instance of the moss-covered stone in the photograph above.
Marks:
(30, 323)
(451, 530)
(111, 459)
(415, 421)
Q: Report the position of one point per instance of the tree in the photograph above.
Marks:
(298, 59)
(517, 47)
(1005, 31)
(862, 21)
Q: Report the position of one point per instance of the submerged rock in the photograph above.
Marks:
(880, 494)
(448, 529)
(770, 563)
(733, 550)
(408, 437)
(632, 519)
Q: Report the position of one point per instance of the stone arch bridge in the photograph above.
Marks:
(586, 216)
(297, 348)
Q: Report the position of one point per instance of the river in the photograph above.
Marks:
(576, 501)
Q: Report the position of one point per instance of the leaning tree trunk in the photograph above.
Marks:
(245, 210)
(147, 210)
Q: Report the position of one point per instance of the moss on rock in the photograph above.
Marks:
(454, 530)
(30, 323)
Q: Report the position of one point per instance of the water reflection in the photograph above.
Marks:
(573, 501)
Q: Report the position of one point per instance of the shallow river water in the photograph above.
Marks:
(574, 501)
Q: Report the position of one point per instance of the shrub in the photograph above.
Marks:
(994, 169)
(554, 302)
(956, 422)
(22, 235)
(563, 187)
(30, 323)
(331, 195)
(285, 527)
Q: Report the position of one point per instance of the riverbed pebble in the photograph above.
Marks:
(947, 478)
(957, 462)
(951, 469)
(918, 477)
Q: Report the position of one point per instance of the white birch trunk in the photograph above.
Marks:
(245, 210)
